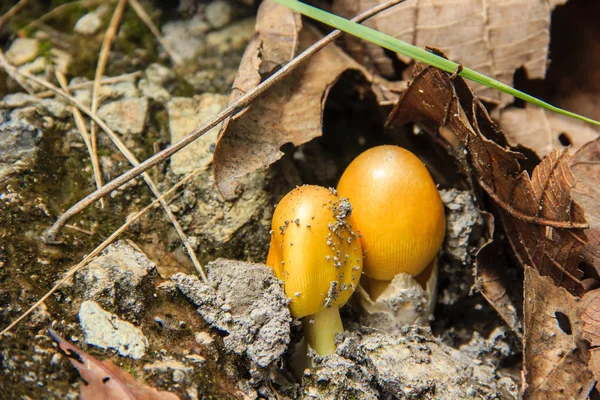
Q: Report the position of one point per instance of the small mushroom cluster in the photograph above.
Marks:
(388, 216)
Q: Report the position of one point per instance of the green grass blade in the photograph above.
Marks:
(419, 54)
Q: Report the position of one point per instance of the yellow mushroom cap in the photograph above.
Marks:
(397, 209)
(314, 250)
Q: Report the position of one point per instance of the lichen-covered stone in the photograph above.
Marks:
(22, 50)
(126, 116)
(19, 140)
(106, 330)
(186, 114)
(119, 278)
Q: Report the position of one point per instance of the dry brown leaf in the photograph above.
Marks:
(104, 380)
(290, 112)
(543, 131)
(493, 37)
(542, 222)
(277, 29)
(494, 284)
(275, 44)
(590, 306)
(555, 358)
(585, 165)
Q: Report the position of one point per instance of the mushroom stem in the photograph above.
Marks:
(374, 287)
(320, 330)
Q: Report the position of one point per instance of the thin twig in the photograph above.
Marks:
(124, 150)
(80, 123)
(143, 15)
(12, 11)
(89, 84)
(98, 249)
(102, 60)
(233, 108)
(78, 229)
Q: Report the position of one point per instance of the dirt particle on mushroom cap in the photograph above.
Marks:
(332, 294)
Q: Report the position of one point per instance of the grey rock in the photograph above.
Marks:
(20, 99)
(120, 278)
(218, 13)
(54, 108)
(119, 90)
(409, 364)
(186, 114)
(159, 74)
(90, 23)
(27, 113)
(61, 60)
(221, 228)
(19, 141)
(106, 330)
(186, 37)
(491, 350)
(339, 378)
(153, 91)
(116, 91)
(126, 116)
(37, 66)
(238, 290)
(178, 371)
(463, 222)
(22, 50)
(464, 232)
(232, 38)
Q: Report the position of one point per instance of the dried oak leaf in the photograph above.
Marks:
(493, 37)
(542, 222)
(555, 357)
(274, 44)
(291, 111)
(544, 131)
(104, 380)
(585, 165)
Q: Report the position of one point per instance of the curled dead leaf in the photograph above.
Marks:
(542, 222)
(493, 37)
(104, 380)
(290, 112)
(277, 29)
(274, 44)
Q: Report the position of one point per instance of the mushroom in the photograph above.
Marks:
(398, 212)
(318, 256)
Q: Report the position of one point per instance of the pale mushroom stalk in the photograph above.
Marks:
(320, 330)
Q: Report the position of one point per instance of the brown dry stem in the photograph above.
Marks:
(80, 123)
(14, 9)
(102, 60)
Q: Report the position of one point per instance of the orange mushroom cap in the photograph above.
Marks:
(397, 209)
(314, 250)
